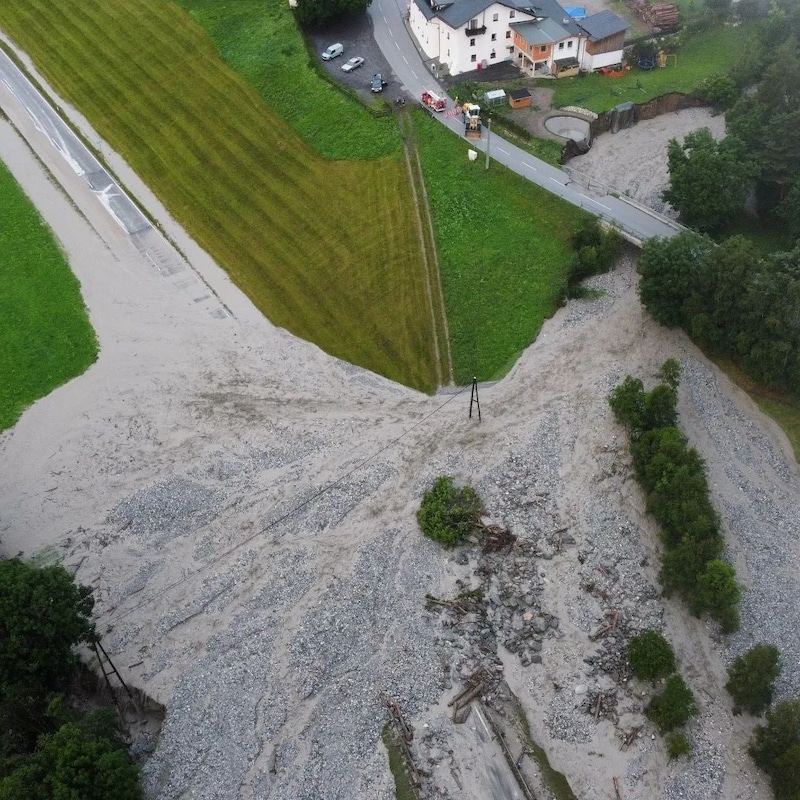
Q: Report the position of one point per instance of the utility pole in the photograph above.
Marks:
(488, 140)
(474, 399)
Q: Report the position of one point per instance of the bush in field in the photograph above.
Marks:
(775, 747)
(751, 678)
(447, 513)
(651, 656)
(674, 706)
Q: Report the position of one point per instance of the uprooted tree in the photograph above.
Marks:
(449, 513)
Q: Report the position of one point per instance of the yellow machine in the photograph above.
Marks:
(471, 114)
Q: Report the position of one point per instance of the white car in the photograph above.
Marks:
(354, 63)
(332, 52)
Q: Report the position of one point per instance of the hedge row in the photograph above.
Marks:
(673, 477)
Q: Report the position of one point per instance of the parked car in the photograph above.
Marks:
(333, 51)
(378, 83)
(354, 63)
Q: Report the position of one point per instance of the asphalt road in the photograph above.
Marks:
(72, 149)
(415, 74)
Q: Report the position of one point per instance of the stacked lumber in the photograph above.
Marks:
(662, 17)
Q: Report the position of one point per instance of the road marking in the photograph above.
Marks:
(386, 21)
(396, 45)
(391, 33)
(405, 59)
(500, 150)
(592, 200)
(415, 75)
(558, 182)
(529, 166)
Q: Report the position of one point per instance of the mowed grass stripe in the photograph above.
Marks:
(322, 248)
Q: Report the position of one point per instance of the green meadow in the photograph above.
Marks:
(45, 338)
(504, 253)
(711, 52)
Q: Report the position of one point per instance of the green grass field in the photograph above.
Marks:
(504, 253)
(45, 338)
(326, 249)
(712, 52)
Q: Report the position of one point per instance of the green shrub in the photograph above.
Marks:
(718, 593)
(674, 706)
(719, 91)
(651, 656)
(596, 251)
(678, 745)
(775, 747)
(751, 678)
(627, 401)
(447, 513)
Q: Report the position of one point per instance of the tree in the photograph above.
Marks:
(447, 513)
(775, 747)
(670, 270)
(315, 13)
(709, 180)
(674, 706)
(718, 593)
(651, 656)
(43, 613)
(719, 91)
(73, 765)
(751, 677)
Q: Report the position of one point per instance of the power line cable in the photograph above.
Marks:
(324, 490)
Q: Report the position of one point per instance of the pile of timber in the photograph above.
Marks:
(662, 17)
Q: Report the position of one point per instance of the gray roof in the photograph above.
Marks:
(542, 31)
(456, 13)
(602, 25)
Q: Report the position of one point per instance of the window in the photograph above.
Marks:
(473, 23)
(448, 54)
(569, 45)
(508, 34)
(494, 37)
(512, 14)
(495, 17)
(492, 54)
(448, 34)
(472, 43)
(473, 58)
(543, 48)
(561, 45)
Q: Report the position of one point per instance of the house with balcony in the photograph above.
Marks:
(537, 35)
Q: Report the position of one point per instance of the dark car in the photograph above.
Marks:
(378, 83)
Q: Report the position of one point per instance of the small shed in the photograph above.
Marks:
(519, 98)
(495, 97)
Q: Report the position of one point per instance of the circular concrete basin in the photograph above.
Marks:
(568, 127)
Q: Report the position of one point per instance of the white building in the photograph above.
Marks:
(537, 35)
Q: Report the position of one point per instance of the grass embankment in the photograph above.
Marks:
(504, 253)
(701, 55)
(325, 249)
(45, 338)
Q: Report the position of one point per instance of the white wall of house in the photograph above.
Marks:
(591, 62)
(461, 53)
